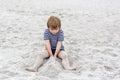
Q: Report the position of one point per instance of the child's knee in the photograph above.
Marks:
(44, 54)
(64, 55)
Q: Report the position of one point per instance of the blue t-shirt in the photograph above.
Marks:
(54, 38)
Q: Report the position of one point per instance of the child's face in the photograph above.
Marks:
(54, 31)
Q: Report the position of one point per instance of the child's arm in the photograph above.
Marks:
(59, 44)
(47, 43)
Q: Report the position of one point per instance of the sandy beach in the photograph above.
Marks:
(92, 39)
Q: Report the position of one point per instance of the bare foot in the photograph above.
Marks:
(31, 69)
(73, 68)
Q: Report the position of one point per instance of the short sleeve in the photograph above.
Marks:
(61, 36)
(46, 35)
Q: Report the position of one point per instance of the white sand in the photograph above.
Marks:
(92, 38)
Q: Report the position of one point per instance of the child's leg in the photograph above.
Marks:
(63, 55)
(38, 61)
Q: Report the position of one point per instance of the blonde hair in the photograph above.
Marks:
(54, 22)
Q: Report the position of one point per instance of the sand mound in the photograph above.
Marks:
(51, 68)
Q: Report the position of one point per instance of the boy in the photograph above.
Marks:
(53, 37)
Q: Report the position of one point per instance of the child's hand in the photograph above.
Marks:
(51, 55)
(52, 59)
(55, 57)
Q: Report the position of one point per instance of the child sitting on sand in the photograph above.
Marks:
(53, 37)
